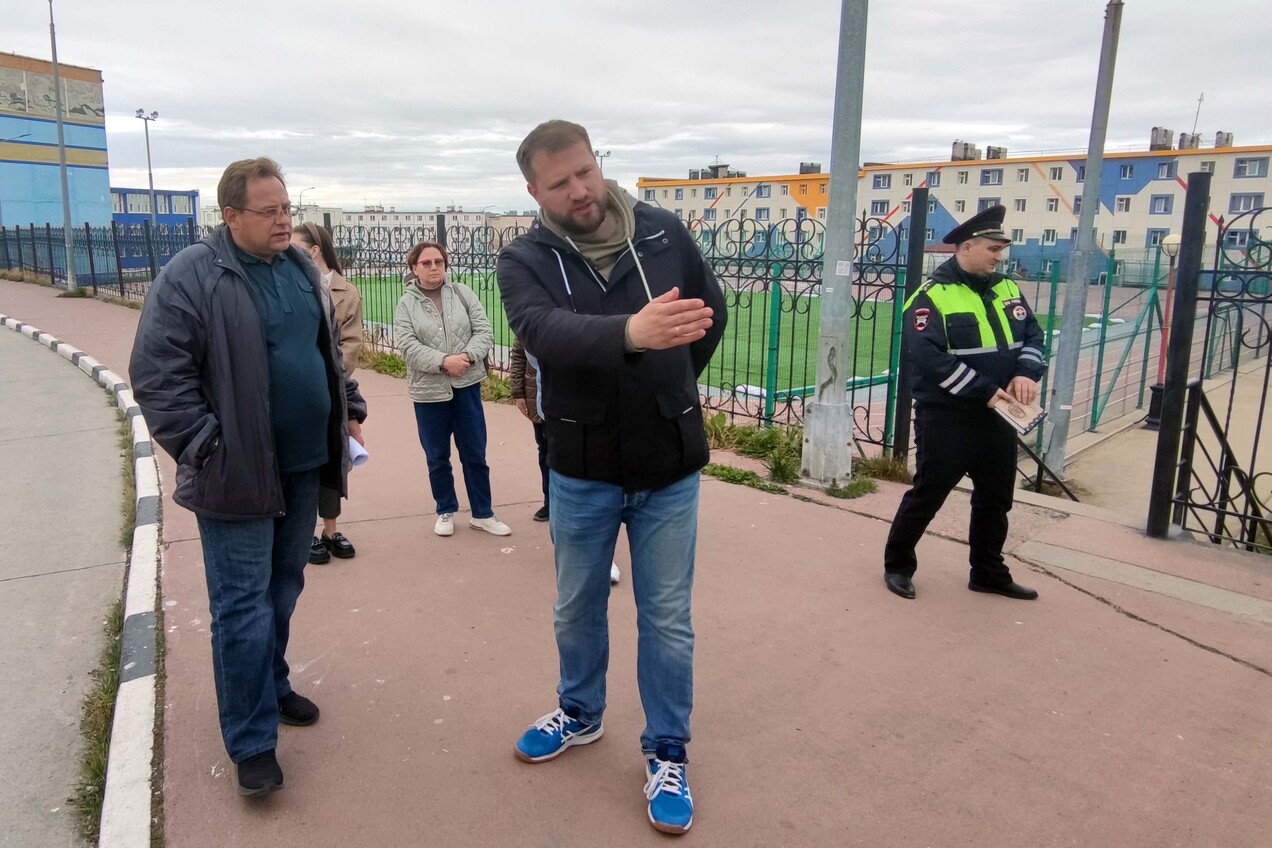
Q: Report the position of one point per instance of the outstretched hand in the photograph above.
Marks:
(668, 321)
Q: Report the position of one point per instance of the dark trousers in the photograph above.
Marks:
(541, 439)
(948, 445)
(463, 418)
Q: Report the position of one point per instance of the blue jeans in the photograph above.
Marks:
(463, 418)
(662, 528)
(255, 572)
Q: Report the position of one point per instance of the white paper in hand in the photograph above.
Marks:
(357, 453)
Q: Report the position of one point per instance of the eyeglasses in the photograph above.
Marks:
(271, 212)
(432, 263)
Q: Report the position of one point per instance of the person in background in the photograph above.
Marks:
(444, 335)
(315, 242)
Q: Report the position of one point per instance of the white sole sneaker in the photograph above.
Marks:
(444, 526)
(491, 525)
(613, 573)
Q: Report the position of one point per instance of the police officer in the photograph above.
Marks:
(973, 342)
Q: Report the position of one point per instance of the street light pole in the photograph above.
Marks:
(600, 158)
(300, 211)
(153, 116)
(61, 157)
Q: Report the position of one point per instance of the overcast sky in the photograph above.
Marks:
(416, 104)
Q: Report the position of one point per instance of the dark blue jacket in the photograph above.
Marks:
(631, 419)
(200, 374)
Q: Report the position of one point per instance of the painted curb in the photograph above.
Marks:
(126, 803)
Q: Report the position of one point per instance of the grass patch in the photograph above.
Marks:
(119, 301)
(738, 477)
(95, 722)
(495, 389)
(128, 507)
(385, 363)
(854, 488)
(891, 468)
(21, 276)
(78, 291)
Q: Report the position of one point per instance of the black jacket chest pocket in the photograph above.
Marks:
(962, 331)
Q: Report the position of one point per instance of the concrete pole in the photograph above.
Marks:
(1068, 349)
(828, 418)
(61, 155)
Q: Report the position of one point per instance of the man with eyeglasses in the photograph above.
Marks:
(240, 380)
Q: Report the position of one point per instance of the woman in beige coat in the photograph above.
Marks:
(315, 242)
(443, 333)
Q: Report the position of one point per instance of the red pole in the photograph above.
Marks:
(1170, 292)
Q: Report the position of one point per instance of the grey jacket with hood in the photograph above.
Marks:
(200, 374)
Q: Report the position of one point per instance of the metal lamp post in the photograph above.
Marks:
(153, 116)
(300, 205)
(600, 158)
(1170, 246)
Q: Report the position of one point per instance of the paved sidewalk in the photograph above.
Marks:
(1130, 705)
(61, 568)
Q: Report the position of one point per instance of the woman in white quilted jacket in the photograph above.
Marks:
(444, 334)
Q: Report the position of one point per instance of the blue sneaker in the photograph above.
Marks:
(548, 737)
(670, 804)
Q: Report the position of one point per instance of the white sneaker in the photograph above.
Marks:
(444, 525)
(491, 525)
(613, 573)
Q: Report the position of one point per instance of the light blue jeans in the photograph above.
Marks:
(662, 528)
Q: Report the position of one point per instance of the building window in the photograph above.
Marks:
(1022, 175)
(680, 194)
(680, 213)
(962, 177)
(1154, 238)
(1165, 170)
(728, 191)
(991, 176)
(693, 214)
(693, 192)
(649, 194)
(139, 204)
(762, 213)
(1020, 204)
(929, 234)
(1161, 204)
(821, 213)
(934, 179)
(1123, 204)
(786, 190)
(985, 202)
(907, 179)
(1082, 173)
(880, 181)
(1127, 172)
(931, 207)
(821, 189)
(960, 205)
(902, 233)
(1053, 204)
(781, 214)
(1119, 236)
(1236, 238)
(1057, 173)
(1049, 236)
(348, 219)
(1017, 236)
(1208, 166)
(905, 206)
(161, 204)
(117, 202)
(182, 205)
(664, 193)
(708, 214)
(1244, 203)
(878, 207)
(764, 191)
(1250, 168)
(803, 189)
(1077, 204)
(709, 193)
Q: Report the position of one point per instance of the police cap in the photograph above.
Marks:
(987, 224)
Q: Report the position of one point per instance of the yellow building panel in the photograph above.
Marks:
(40, 154)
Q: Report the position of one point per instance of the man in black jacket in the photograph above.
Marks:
(240, 379)
(974, 343)
(623, 314)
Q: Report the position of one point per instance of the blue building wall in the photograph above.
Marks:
(30, 178)
(171, 230)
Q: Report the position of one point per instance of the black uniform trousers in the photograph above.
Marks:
(951, 443)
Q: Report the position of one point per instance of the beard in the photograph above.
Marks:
(582, 228)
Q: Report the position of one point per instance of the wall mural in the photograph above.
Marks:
(31, 94)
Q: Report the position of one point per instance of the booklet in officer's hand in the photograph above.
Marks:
(1023, 417)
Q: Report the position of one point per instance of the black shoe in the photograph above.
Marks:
(260, 774)
(318, 553)
(297, 710)
(1011, 589)
(542, 514)
(340, 547)
(899, 584)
